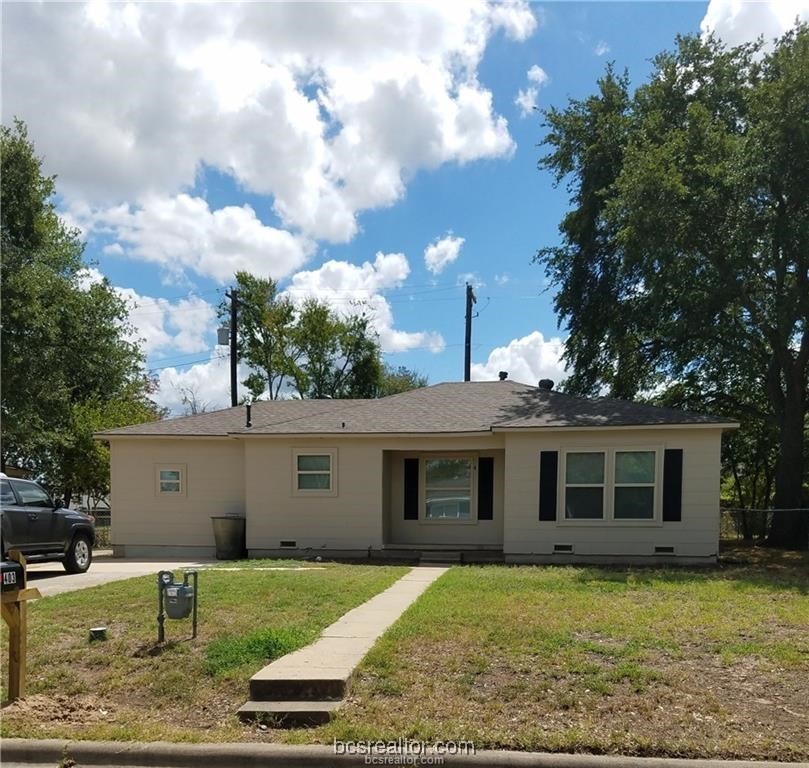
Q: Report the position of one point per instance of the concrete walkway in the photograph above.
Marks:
(306, 686)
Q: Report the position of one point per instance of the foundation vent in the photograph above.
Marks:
(288, 544)
(664, 550)
(563, 548)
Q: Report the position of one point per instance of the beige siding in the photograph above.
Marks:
(354, 518)
(351, 519)
(254, 476)
(696, 535)
(145, 522)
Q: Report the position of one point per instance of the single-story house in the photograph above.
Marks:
(490, 470)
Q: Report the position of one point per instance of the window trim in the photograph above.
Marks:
(609, 486)
(604, 485)
(653, 485)
(331, 491)
(473, 488)
(182, 469)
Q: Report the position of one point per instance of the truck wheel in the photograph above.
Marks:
(79, 555)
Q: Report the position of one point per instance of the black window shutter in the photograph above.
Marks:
(411, 489)
(548, 470)
(673, 485)
(485, 488)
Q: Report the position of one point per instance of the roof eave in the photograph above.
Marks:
(346, 433)
(724, 425)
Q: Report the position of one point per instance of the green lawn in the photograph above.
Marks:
(127, 688)
(708, 663)
(648, 662)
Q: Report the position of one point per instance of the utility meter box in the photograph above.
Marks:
(13, 576)
(178, 596)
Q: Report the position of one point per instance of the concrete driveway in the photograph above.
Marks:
(51, 579)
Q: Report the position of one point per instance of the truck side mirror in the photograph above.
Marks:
(58, 504)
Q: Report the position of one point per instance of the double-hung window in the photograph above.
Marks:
(634, 491)
(314, 473)
(585, 473)
(611, 484)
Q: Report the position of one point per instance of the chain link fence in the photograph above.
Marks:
(738, 524)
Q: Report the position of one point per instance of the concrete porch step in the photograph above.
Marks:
(433, 557)
(300, 687)
(289, 713)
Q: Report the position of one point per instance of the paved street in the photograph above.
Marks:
(51, 579)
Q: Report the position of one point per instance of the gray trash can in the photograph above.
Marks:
(228, 533)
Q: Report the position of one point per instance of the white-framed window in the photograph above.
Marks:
(314, 472)
(449, 490)
(170, 479)
(585, 485)
(634, 491)
(611, 485)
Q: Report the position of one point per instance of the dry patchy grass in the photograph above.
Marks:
(128, 688)
(708, 663)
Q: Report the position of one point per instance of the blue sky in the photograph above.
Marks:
(329, 147)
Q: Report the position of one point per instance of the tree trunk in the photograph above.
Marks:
(789, 529)
(68, 496)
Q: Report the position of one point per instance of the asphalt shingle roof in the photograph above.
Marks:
(441, 408)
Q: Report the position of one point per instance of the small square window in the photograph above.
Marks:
(314, 473)
(171, 480)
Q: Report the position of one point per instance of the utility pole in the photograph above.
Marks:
(234, 361)
(467, 363)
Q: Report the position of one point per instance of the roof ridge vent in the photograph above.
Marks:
(546, 384)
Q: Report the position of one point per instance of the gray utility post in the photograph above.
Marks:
(467, 363)
(234, 361)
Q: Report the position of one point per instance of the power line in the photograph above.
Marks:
(190, 362)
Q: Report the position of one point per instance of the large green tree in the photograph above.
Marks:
(686, 250)
(309, 351)
(395, 380)
(65, 346)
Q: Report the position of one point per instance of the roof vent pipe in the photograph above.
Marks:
(503, 375)
(546, 384)
(248, 423)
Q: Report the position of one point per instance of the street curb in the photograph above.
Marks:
(167, 755)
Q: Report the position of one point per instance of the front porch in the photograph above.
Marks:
(437, 503)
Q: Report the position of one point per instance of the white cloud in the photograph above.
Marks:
(89, 276)
(209, 381)
(327, 113)
(441, 253)
(740, 21)
(526, 100)
(182, 233)
(158, 324)
(538, 75)
(601, 48)
(527, 360)
(502, 279)
(162, 325)
(353, 289)
(472, 278)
